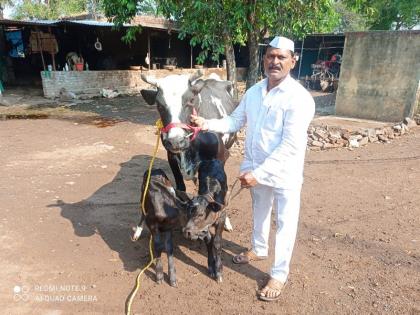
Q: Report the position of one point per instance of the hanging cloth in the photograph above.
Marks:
(15, 40)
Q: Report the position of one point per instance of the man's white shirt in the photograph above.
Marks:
(276, 131)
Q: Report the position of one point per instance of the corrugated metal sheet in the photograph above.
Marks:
(91, 23)
(29, 22)
(143, 21)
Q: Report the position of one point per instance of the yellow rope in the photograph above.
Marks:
(159, 126)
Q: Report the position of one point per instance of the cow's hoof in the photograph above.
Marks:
(219, 279)
(173, 284)
(159, 279)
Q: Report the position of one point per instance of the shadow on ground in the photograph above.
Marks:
(113, 209)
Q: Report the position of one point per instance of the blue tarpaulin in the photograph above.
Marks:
(15, 39)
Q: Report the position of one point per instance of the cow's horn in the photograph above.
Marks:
(195, 76)
(150, 80)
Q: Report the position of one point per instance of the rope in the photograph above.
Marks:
(133, 293)
(237, 193)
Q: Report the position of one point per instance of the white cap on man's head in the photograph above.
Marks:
(282, 43)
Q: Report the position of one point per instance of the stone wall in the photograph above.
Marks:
(88, 84)
(380, 75)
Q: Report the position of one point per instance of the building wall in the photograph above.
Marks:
(380, 75)
(90, 83)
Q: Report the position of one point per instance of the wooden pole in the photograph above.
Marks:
(300, 58)
(191, 56)
(148, 48)
(39, 40)
(52, 53)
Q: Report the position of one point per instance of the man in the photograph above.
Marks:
(277, 112)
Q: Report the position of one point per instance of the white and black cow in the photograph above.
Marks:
(177, 97)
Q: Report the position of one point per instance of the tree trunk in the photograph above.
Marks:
(254, 61)
(230, 62)
(253, 39)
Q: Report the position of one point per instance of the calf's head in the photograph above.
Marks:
(203, 211)
(170, 98)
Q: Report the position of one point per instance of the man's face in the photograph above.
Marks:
(278, 63)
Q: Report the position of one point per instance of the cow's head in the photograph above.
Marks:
(170, 98)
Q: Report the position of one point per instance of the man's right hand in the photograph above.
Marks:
(199, 122)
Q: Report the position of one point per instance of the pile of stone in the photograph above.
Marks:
(325, 137)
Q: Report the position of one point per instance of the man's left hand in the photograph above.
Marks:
(247, 180)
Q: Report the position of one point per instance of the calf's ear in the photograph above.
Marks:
(181, 204)
(149, 96)
(215, 206)
(182, 195)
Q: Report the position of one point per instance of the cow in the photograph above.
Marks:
(206, 210)
(177, 97)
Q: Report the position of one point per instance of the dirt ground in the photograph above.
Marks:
(69, 195)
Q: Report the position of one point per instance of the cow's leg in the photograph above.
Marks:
(217, 248)
(173, 163)
(170, 252)
(158, 248)
(210, 256)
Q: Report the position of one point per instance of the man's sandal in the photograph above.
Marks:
(271, 291)
(246, 257)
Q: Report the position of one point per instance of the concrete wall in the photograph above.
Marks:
(90, 83)
(380, 75)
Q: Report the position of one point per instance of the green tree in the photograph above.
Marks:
(290, 18)
(49, 9)
(387, 14)
(216, 25)
(3, 5)
(349, 20)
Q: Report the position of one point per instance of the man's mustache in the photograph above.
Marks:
(274, 67)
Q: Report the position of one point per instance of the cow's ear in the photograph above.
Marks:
(198, 86)
(149, 96)
(228, 86)
(195, 76)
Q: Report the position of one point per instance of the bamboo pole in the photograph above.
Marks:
(39, 40)
(52, 53)
(148, 48)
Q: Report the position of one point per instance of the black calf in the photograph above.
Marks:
(206, 210)
(163, 214)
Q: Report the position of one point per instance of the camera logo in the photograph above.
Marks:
(20, 293)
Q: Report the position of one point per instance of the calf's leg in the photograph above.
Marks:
(158, 248)
(217, 249)
(210, 256)
(170, 252)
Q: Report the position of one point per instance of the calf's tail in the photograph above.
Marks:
(138, 229)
